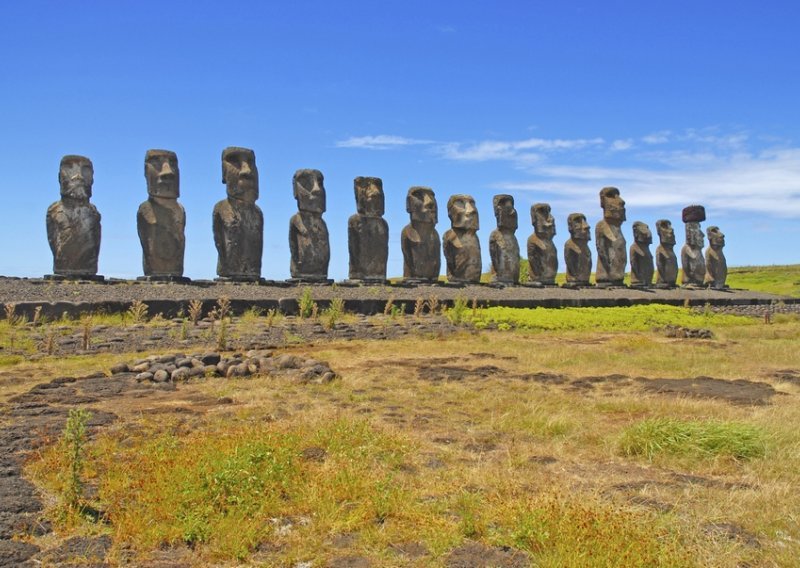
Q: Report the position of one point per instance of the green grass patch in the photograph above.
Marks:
(777, 279)
(634, 318)
(695, 439)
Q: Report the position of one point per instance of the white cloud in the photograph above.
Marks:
(379, 142)
(768, 182)
(529, 150)
(661, 137)
(619, 145)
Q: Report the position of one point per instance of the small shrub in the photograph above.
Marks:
(223, 307)
(195, 311)
(653, 437)
(86, 332)
(388, 306)
(306, 304)
(457, 314)
(334, 312)
(419, 305)
(271, 315)
(11, 313)
(433, 304)
(138, 311)
(73, 442)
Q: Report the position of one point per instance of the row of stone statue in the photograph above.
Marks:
(73, 231)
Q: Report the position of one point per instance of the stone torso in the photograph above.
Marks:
(421, 251)
(161, 227)
(693, 264)
(238, 235)
(542, 259)
(504, 250)
(462, 251)
(641, 265)
(667, 265)
(716, 268)
(578, 259)
(611, 252)
(73, 231)
(309, 245)
(368, 243)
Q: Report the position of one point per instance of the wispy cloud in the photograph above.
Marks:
(529, 150)
(379, 142)
(768, 182)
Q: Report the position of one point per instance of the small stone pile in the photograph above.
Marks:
(687, 332)
(181, 367)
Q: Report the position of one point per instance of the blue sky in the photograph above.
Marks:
(674, 102)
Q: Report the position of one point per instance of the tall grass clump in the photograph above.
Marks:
(305, 304)
(690, 438)
(73, 442)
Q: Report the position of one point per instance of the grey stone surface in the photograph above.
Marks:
(503, 244)
(419, 240)
(542, 254)
(161, 220)
(73, 224)
(462, 251)
(716, 265)
(577, 256)
(308, 233)
(238, 222)
(666, 260)
(612, 254)
(692, 260)
(641, 257)
(368, 232)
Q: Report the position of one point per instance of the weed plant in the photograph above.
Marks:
(305, 303)
(138, 311)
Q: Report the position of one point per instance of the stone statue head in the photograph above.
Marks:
(716, 238)
(369, 196)
(76, 176)
(421, 205)
(666, 234)
(642, 234)
(578, 227)
(309, 191)
(694, 235)
(542, 219)
(505, 213)
(462, 212)
(161, 172)
(240, 174)
(613, 205)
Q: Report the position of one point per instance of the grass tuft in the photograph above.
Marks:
(697, 439)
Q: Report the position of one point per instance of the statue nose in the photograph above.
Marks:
(245, 170)
(166, 171)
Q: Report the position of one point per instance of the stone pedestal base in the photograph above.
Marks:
(164, 278)
(311, 280)
(240, 279)
(75, 277)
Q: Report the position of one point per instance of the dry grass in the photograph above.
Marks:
(404, 452)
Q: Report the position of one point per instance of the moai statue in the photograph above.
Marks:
(716, 265)
(419, 240)
(308, 233)
(641, 257)
(503, 245)
(462, 251)
(237, 221)
(368, 233)
(612, 254)
(73, 224)
(577, 255)
(161, 220)
(542, 255)
(666, 261)
(692, 262)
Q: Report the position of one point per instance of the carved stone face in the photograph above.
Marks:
(369, 196)
(505, 213)
(421, 205)
(613, 206)
(578, 227)
(240, 174)
(642, 234)
(309, 191)
(462, 212)
(161, 172)
(76, 176)
(666, 233)
(694, 235)
(543, 223)
(716, 238)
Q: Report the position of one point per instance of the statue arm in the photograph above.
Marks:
(495, 250)
(353, 242)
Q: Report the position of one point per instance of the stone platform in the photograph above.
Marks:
(112, 296)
